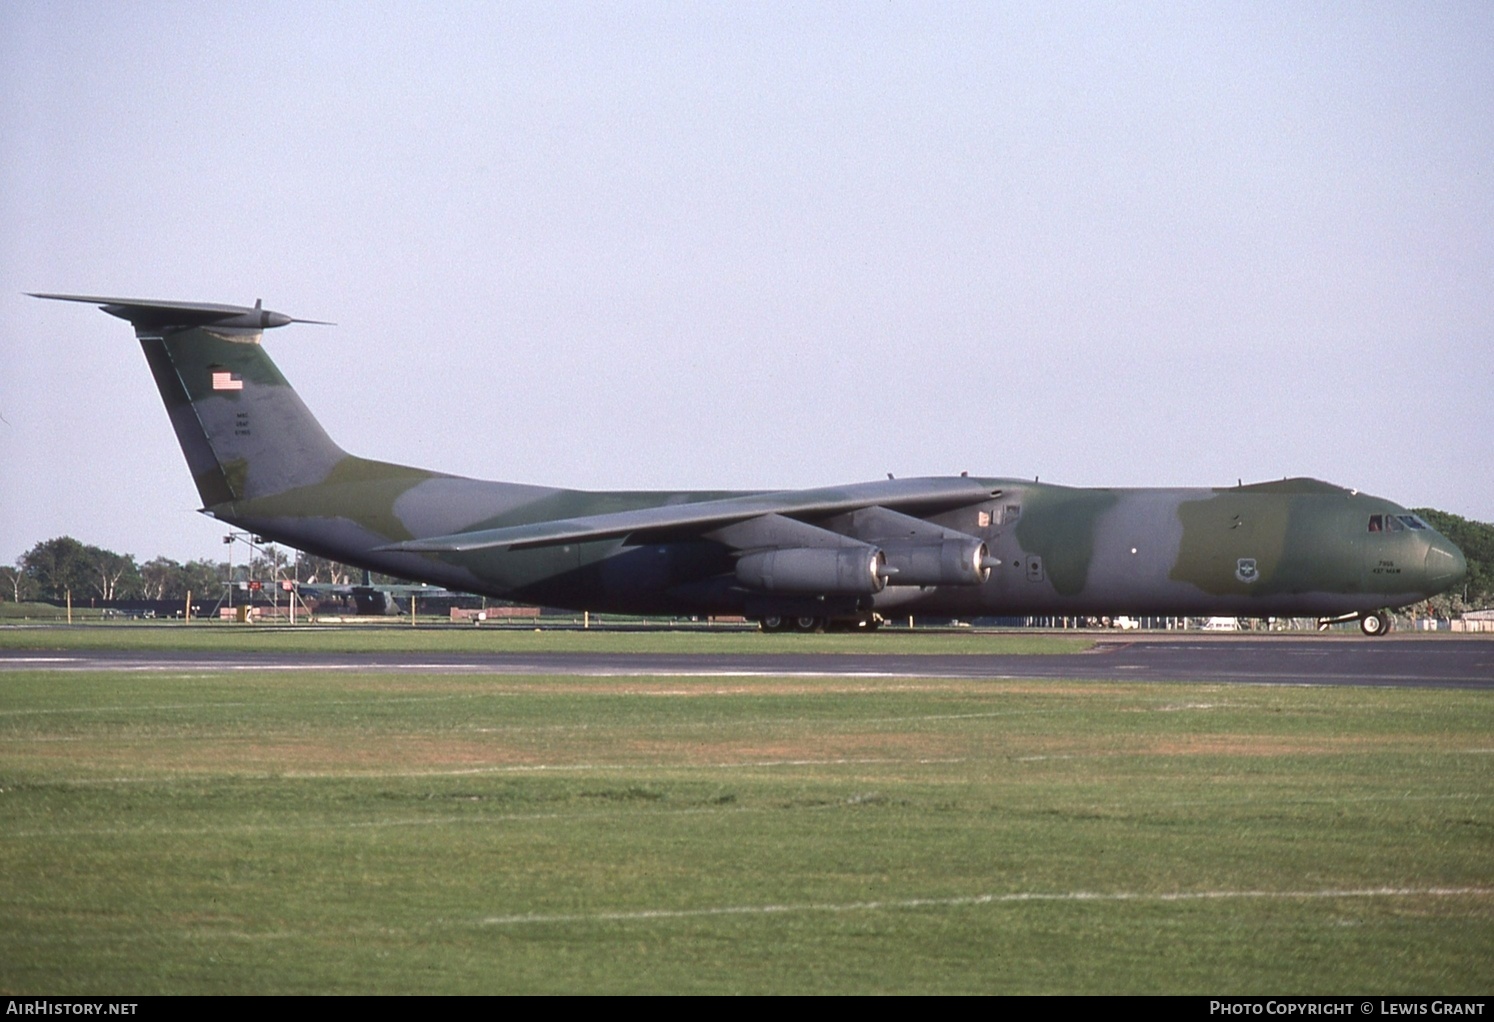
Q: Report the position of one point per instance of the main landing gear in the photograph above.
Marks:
(803, 623)
(811, 624)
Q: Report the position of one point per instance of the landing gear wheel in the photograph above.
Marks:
(773, 623)
(1377, 623)
(809, 624)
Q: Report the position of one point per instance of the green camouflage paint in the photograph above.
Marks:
(1232, 543)
(1058, 524)
(356, 490)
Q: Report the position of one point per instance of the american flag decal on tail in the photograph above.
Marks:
(226, 381)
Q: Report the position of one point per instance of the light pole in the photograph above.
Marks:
(295, 583)
(228, 541)
(249, 539)
(258, 545)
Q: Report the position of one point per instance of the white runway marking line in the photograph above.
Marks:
(534, 768)
(517, 768)
(1178, 707)
(973, 673)
(757, 722)
(530, 670)
(735, 672)
(647, 915)
(266, 704)
(146, 708)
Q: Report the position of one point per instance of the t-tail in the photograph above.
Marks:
(245, 432)
(258, 456)
(263, 462)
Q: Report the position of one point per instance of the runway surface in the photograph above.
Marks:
(1402, 662)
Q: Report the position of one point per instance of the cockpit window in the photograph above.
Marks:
(1395, 523)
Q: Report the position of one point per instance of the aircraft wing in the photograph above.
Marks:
(914, 496)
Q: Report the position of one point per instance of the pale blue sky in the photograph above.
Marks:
(760, 245)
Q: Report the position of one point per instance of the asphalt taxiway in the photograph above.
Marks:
(1464, 662)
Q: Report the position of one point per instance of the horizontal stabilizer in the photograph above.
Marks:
(144, 314)
(925, 496)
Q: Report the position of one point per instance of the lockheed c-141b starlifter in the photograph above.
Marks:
(790, 559)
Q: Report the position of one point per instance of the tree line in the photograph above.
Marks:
(1476, 540)
(58, 569)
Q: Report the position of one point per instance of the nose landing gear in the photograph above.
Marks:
(1372, 623)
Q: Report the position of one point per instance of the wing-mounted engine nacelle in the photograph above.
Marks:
(952, 562)
(843, 571)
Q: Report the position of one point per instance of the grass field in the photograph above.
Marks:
(380, 638)
(314, 832)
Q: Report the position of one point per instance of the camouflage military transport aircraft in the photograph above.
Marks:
(792, 559)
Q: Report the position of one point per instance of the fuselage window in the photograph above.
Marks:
(1011, 513)
(1377, 523)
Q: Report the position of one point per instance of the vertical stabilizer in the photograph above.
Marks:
(243, 429)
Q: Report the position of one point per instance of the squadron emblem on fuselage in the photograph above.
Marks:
(1245, 570)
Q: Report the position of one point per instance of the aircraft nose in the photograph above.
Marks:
(1445, 564)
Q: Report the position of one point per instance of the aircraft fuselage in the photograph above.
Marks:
(1290, 548)
(949, 546)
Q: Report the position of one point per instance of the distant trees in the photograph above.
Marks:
(114, 576)
(158, 577)
(165, 579)
(55, 567)
(199, 577)
(328, 572)
(1476, 540)
(15, 583)
(63, 565)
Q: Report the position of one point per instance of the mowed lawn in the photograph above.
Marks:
(441, 638)
(321, 831)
